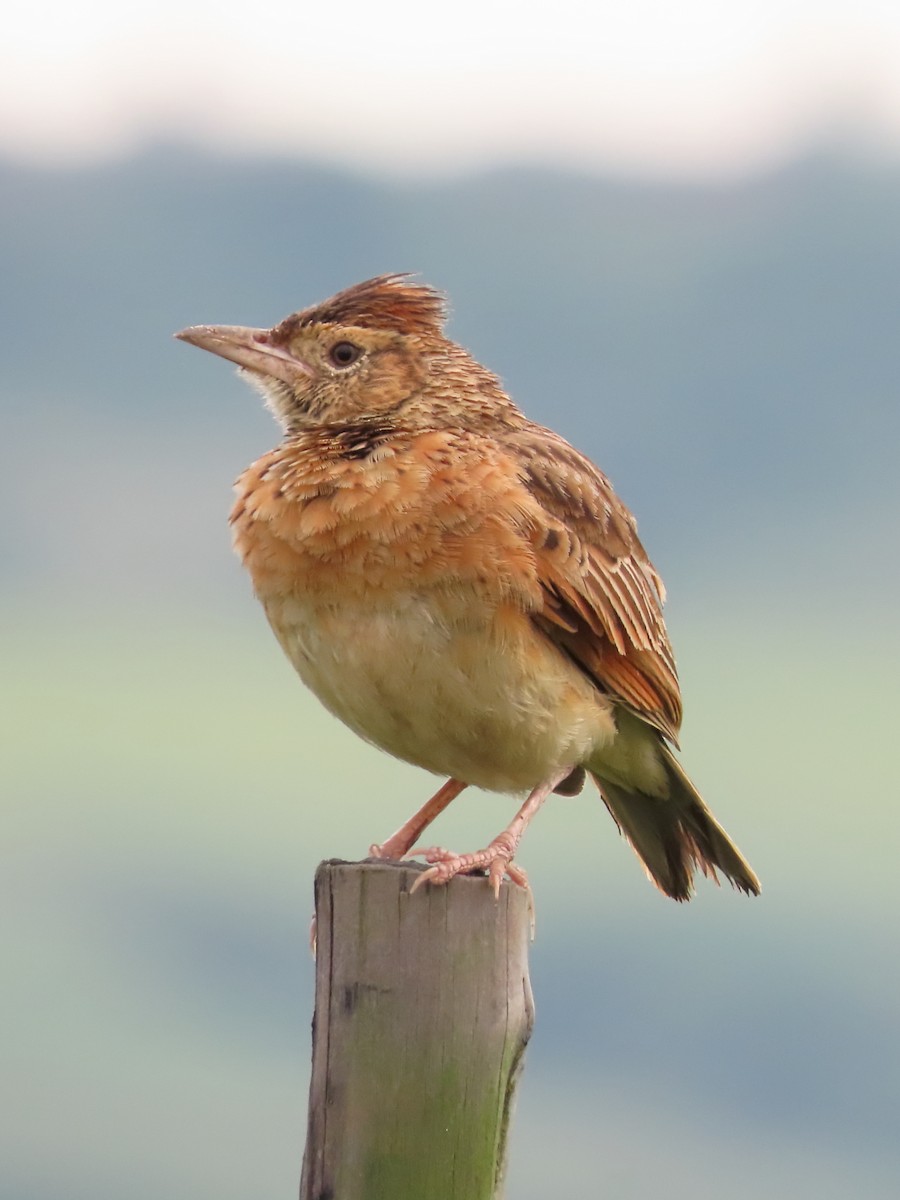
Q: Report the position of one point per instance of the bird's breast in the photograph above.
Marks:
(408, 516)
(400, 587)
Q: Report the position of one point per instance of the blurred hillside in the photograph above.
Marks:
(730, 356)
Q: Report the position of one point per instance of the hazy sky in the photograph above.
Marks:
(697, 86)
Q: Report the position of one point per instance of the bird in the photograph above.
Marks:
(459, 585)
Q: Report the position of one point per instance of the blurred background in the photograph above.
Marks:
(673, 231)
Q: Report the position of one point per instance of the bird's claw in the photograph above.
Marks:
(496, 859)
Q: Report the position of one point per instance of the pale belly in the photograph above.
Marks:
(489, 702)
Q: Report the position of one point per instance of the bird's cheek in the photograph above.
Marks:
(395, 377)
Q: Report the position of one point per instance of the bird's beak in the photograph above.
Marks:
(249, 348)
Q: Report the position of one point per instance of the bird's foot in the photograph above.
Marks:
(496, 859)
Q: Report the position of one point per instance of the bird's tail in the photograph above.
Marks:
(675, 834)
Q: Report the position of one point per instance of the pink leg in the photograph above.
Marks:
(398, 844)
(498, 856)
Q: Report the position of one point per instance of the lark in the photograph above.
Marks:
(459, 585)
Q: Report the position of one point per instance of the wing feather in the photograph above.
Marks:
(602, 596)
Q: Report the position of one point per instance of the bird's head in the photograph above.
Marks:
(375, 351)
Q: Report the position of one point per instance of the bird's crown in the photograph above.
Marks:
(385, 302)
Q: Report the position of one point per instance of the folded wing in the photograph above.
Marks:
(602, 596)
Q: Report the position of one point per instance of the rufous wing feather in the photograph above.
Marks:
(603, 597)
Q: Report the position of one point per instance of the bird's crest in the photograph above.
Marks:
(385, 302)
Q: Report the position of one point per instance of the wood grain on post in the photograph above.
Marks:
(423, 1010)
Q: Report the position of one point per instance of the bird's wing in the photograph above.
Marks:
(602, 596)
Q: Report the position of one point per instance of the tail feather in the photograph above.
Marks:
(676, 834)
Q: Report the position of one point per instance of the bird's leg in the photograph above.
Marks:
(398, 843)
(496, 857)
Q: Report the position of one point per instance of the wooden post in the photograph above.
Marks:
(423, 1011)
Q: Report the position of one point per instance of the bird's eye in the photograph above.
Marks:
(344, 354)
